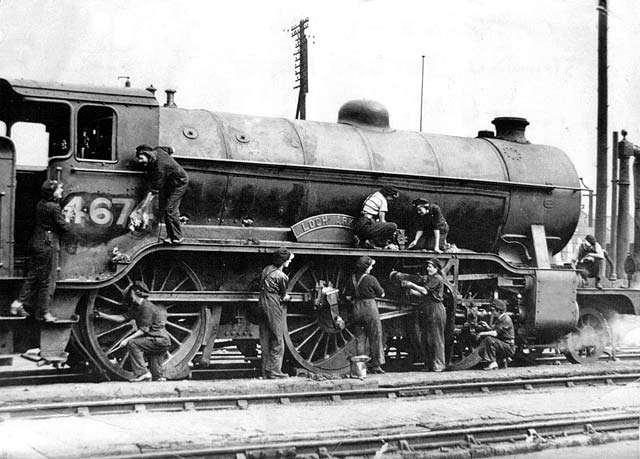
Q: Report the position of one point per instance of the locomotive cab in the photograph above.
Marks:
(77, 134)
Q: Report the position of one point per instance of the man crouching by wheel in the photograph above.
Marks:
(498, 341)
(150, 340)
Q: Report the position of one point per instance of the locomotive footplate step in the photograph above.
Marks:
(6, 360)
(70, 321)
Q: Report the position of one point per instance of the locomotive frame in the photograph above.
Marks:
(258, 183)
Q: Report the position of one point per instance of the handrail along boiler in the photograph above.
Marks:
(258, 183)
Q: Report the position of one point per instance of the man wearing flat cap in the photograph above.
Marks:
(150, 340)
(168, 180)
(371, 227)
(431, 227)
(499, 340)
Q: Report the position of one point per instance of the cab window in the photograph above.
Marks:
(40, 130)
(96, 127)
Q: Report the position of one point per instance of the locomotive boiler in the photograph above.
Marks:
(258, 183)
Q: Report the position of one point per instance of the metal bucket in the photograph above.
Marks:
(359, 366)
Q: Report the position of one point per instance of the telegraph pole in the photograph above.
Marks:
(421, 91)
(301, 67)
(601, 173)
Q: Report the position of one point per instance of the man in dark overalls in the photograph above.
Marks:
(432, 315)
(273, 292)
(150, 340)
(362, 291)
(169, 180)
(499, 340)
(37, 291)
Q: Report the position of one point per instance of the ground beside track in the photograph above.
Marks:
(19, 395)
(76, 437)
(108, 435)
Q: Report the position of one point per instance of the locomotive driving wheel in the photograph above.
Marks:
(588, 342)
(186, 322)
(311, 336)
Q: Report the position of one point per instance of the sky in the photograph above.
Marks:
(483, 58)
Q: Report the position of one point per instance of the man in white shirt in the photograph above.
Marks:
(589, 257)
(371, 227)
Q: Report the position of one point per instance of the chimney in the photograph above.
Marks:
(170, 96)
(511, 128)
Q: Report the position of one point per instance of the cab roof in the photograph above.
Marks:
(85, 93)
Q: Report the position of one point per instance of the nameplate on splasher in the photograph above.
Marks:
(325, 228)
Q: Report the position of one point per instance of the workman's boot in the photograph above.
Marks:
(143, 377)
(48, 317)
(492, 366)
(17, 309)
(277, 375)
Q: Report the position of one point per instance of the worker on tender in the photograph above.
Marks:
(499, 340)
(431, 227)
(371, 228)
(168, 180)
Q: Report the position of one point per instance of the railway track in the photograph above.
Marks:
(486, 440)
(243, 401)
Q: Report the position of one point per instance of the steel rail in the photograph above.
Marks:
(456, 440)
(242, 401)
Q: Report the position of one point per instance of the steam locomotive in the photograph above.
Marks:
(258, 183)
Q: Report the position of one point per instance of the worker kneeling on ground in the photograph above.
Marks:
(150, 340)
(499, 340)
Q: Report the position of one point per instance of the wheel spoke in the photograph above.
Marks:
(153, 279)
(338, 278)
(315, 346)
(180, 284)
(326, 348)
(303, 285)
(166, 279)
(173, 338)
(179, 327)
(109, 300)
(313, 276)
(114, 329)
(141, 271)
(124, 359)
(182, 314)
(306, 340)
(315, 322)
